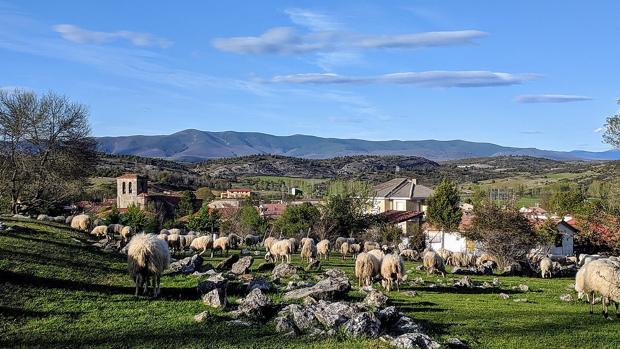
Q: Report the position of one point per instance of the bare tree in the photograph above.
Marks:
(46, 150)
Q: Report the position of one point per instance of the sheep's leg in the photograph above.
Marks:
(591, 301)
(137, 286)
(605, 311)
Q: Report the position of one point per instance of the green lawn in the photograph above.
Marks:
(57, 291)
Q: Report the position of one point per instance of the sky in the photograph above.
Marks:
(537, 73)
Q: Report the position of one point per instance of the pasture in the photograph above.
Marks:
(56, 290)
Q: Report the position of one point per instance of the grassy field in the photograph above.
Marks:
(58, 291)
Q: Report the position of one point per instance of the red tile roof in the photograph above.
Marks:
(394, 216)
(239, 190)
(273, 210)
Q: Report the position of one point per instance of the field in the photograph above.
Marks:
(56, 290)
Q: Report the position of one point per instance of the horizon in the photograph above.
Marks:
(399, 71)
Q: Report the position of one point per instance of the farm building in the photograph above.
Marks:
(452, 241)
(132, 190)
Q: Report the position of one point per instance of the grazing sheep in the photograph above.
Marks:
(587, 258)
(344, 249)
(174, 242)
(99, 231)
(69, 219)
(294, 245)
(458, 259)
(322, 248)
(98, 221)
(303, 241)
(443, 253)
(163, 237)
(127, 232)
(114, 229)
(203, 243)
(410, 254)
(176, 231)
(339, 241)
(81, 222)
(308, 251)
(367, 266)
(268, 242)
(392, 268)
(188, 240)
(546, 265)
(602, 277)
(147, 258)
(282, 249)
(378, 254)
(355, 249)
(485, 257)
(234, 240)
(182, 242)
(433, 262)
(252, 240)
(164, 231)
(371, 245)
(222, 243)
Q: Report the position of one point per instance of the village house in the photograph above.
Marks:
(237, 193)
(132, 190)
(402, 201)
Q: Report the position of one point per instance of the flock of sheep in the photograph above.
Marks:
(148, 255)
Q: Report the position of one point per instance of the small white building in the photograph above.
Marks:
(452, 241)
(564, 244)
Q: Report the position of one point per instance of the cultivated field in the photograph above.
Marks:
(56, 290)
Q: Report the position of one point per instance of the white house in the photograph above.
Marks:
(452, 241)
(564, 245)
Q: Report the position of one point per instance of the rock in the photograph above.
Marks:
(503, 296)
(260, 284)
(455, 343)
(242, 266)
(418, 280)
(228, 262)
(246, 278)
(411, 293)
(285, 325)
(522, 288)
(404, 324)
(566, 298)
(568, 271)
(254, 306)
(376, 299)
(486, 285)
(464, 282)
(201, 317)
(187, 265)
(414, 341)
(332, 315)
(388, 316)
(215, 298)
(283, 270)
(363, 324)
(205, 267)
(521, 300)
(303, 318)
(240, 323)
(486, 268)
(570, 287)
(245, 252)
(315, 265)
(419, 268)
(332, 287)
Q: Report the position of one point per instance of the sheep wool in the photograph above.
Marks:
(322, 249)
(81, 222)
(281, 249)
(147, 258)
(392, 268)
(433, 262)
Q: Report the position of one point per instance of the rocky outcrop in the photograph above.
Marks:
(334, 286)
(242, 266)
(283, 270)
(228, 262)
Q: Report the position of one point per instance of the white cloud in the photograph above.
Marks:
(284, 40)
(551, 98)
(83, 36)
(315, 21)
(599, 130)
(425, 78)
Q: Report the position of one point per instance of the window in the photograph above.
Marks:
(129, 187)
(123, 187)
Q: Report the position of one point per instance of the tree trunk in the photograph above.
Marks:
(443, 236)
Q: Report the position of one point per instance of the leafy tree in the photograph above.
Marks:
(250, 220)
(205, 194)
(205, 220)
(479, 196)
(443, 208)
(564, 202)
(345, 213)
(612, 130)
(46, 152)
(504, 233)
(141, 220)
(298, 218)
(186, 204)
(114, 216)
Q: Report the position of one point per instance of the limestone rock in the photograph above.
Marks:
(332, 287)
(376, 299)
(283, 270)
(363, 324)
(242, 266)
(228, 262)
(415, 340)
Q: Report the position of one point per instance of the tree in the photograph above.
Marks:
(298, 218)
(567, 201)
(250, 220)
(479, 196)
(443, 208)
(612, 130)
(46, 151)
(345, 213)
(504, 233)
(205, 194)
(205, 220)
(141, 220)
(186, 204)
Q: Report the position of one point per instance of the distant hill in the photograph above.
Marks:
(195, 146)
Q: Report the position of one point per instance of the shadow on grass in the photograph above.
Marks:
(27, 257)
(19, 313)
(47, 240)
(463, 290)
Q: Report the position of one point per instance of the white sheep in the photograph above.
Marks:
(339, 241)
(600, 277)
(176, 231)
(114, 229)
(163, 237)
(378, 254)
(443, 253)
(303, 241)
(485, 257)
(392, 269)
(127, 232)
(546, 265)
(294, 245)
(367, 266)
(458, 259)
(164, 231)
(371, 245)
(308, 251)
(322, 249)
(100, 230)
(587, 258)
(282, 249)
(59, 219)
(147, 258)
(174, 242)
(355, 249)
(344, 249)
(221, 243)
(433, 262)
(81, 222)
(203, 243)
(189, 238)
(69, 219)
(410, 254)
(268, 242)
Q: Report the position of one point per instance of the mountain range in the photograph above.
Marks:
(195, 146)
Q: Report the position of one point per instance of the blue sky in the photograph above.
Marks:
(521, 73)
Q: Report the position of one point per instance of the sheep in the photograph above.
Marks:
(176, 231)
(203, 243)
(98, 221)
(174, 242)
(147, 258)
(367, 266)
(410, 254)
(355, 249)
(251, 240)
(127, 232)
(308, 251)
(433, 262)
(182, 243)
(234, 240)
(164, 231)
(344, 249)
(322, 249)
(59, 219)
(392, 268)
(294, 245)
(163, 237)
(222, 243)
(587, 258)
(268, 242)
(371, 245)
(546, 267)
(188, 240)
(114, 229)
(602, 277)
(485, 257)
(458, 259)
(378, 254)
(443, 253)
(81, 222)
(339, 241)
(282, 249)
(100, 230)
(44, 217)
(303, 241)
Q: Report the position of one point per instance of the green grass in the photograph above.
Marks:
(58, 291)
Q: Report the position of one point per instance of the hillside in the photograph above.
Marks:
(194, 146)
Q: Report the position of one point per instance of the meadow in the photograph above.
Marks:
(56, 290)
